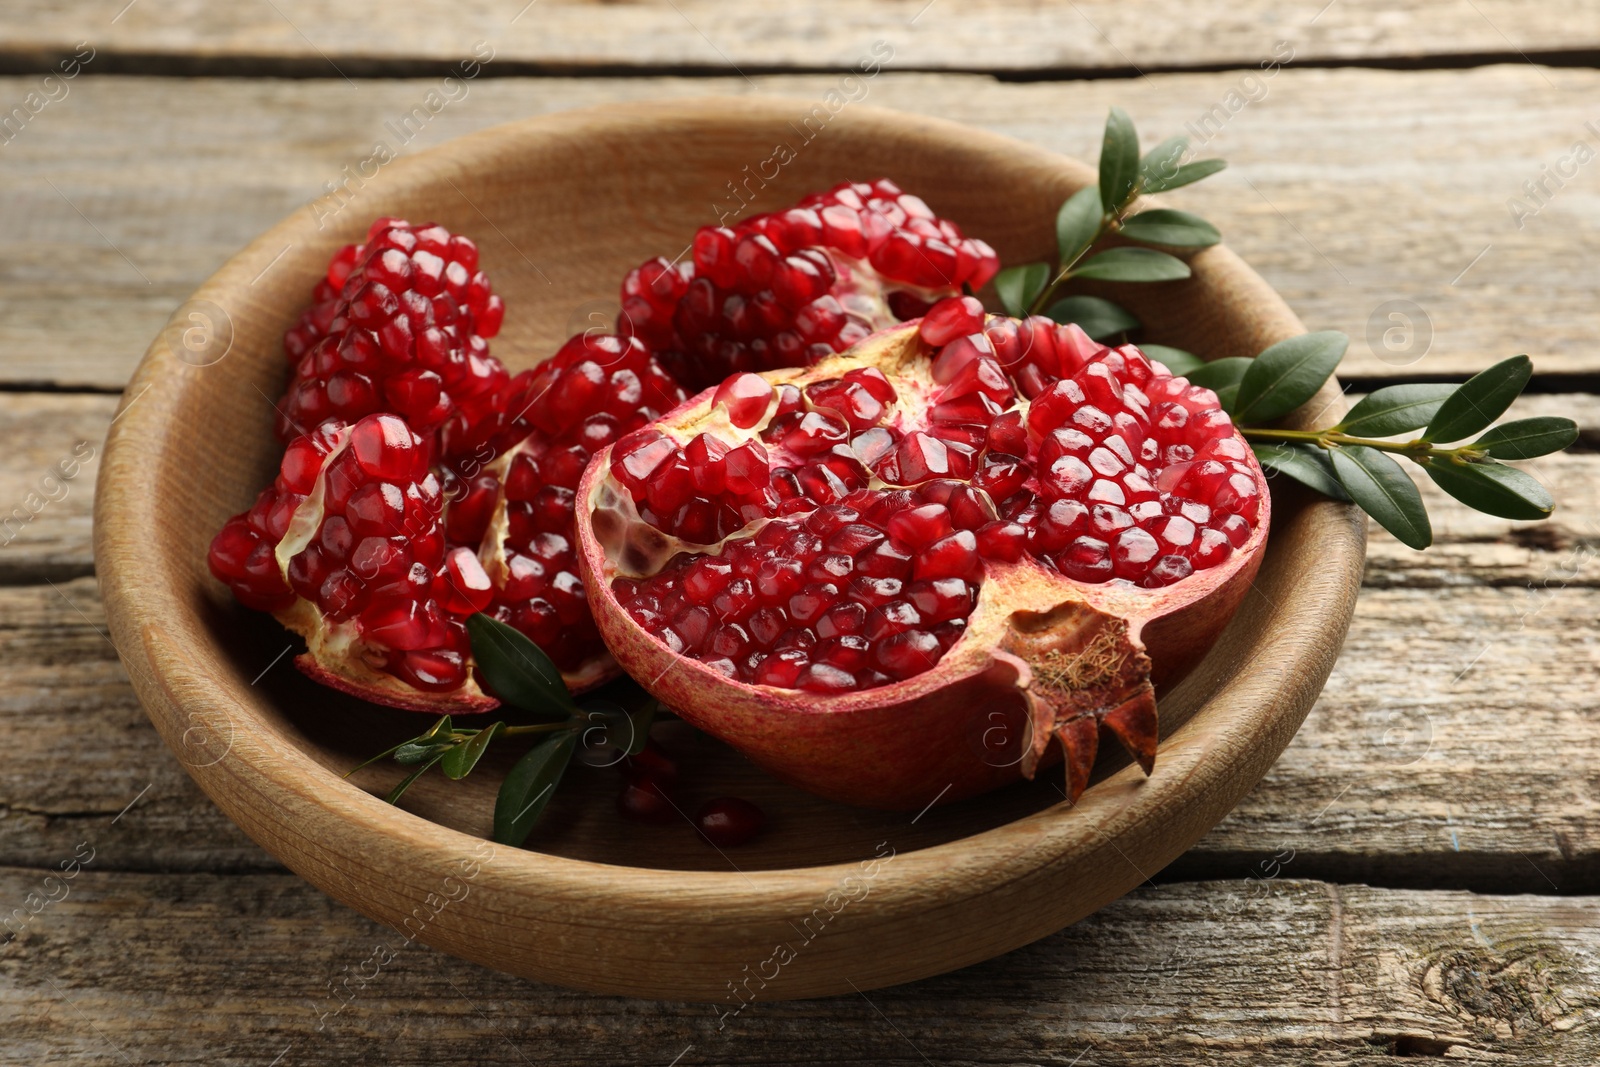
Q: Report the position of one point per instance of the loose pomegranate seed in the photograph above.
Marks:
(653, 762)
(645, 799)
(788, 288)
(828, 581)
(729, 821)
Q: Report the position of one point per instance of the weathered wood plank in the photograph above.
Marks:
(262, 969)
(563, 35)
(47, 483)
(116, 217)
(1453, 746)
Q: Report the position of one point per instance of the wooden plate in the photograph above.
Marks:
(831, 898)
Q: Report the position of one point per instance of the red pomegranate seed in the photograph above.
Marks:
(746, 397)
(952, 317)
(645, 799)
(728, 822)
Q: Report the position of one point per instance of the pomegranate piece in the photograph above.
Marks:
(787, 288)
(347, 548)
(594, 390)
(880, 578)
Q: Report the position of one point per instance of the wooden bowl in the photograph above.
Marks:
(830, 899)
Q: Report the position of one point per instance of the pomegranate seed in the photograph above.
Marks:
(746, 398)
(952, 317)
(728, 822)
(645, 799)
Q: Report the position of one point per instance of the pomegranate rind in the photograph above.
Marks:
(968, 725)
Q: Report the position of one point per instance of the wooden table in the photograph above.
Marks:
(1418, 876)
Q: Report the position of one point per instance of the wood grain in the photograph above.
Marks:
(1348, 189)
(1053, 36)
(47, 483)
(261, 969)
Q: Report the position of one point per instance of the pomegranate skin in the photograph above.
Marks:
(985, 714)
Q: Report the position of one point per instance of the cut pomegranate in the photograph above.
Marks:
(384, 532)
(787, 288)
(347, 549)
(924, 548)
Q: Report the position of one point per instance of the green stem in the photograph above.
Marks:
(1418, 450)
(1108, 224)
(540, 728)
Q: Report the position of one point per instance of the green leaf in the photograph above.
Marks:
(640, 721)
(1161, 162)
(1133, 265)
(1480, 400)
(1306, 464)
(405, 783)
(1222, 376)
(385, 754)
(1394, 409)
(1119, 161)
(1176, 360)
(529, 786)
(1528, 438)
(1177, 229)
(1493, 488)
(605, 728)
(516, 669)
(436, 739)
(1384, 491)
(1185, 175)
(1098, 318)
(459, 761)
(1020, 286)
(420, 751)
(1078, 223)
(1287, 375)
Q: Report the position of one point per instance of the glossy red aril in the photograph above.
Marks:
(787, 288)
(987, 549)
(645, 799)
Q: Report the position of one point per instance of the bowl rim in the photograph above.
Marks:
(293, 806)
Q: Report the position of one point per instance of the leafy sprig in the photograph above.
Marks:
(1098, 211)
(519, 672)
(1352, 461)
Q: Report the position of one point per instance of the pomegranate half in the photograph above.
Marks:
(895, 576)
